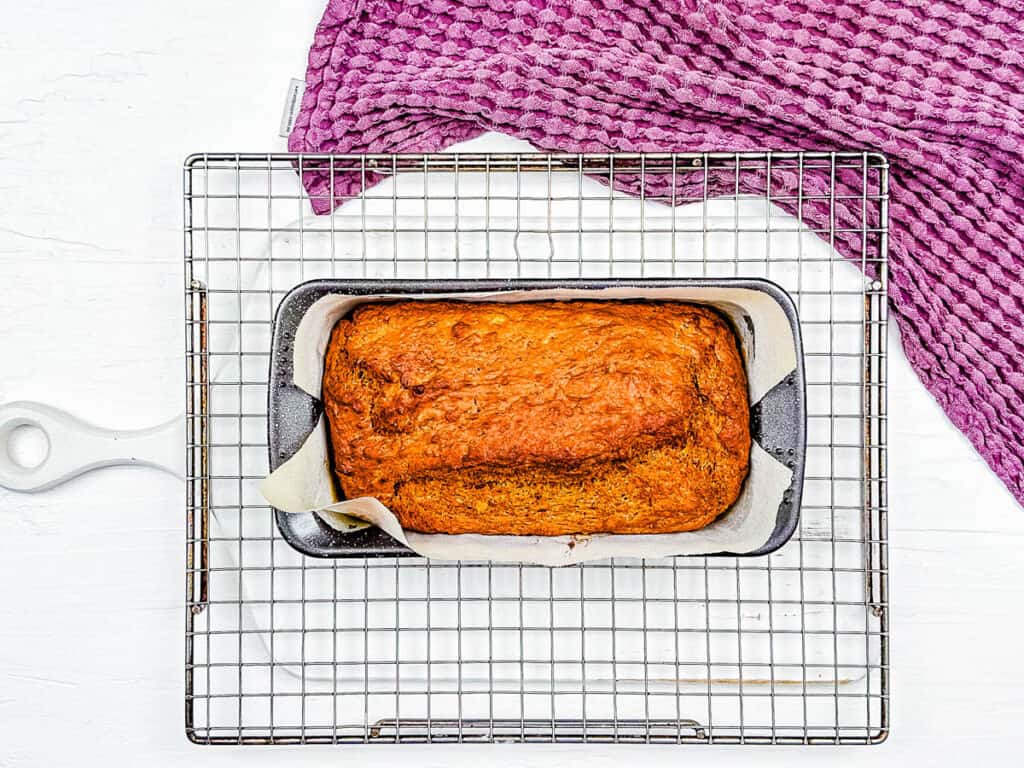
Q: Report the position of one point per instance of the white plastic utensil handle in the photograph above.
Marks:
(76, 447)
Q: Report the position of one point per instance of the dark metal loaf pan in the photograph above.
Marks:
(778, 420)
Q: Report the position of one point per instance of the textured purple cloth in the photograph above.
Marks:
(937, 86)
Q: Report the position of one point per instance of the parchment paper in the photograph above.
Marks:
(304, 485)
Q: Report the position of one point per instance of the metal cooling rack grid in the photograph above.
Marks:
(789, 648)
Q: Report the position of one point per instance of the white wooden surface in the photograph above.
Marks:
(99, 104)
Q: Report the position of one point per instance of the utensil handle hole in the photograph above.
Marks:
(27, 444)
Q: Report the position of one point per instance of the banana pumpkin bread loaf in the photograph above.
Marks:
(542, 418)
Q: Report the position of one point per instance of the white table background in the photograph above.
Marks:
(99, 104)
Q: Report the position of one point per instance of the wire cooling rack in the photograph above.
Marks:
(786, 648)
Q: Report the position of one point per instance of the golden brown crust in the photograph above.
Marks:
(542, 418)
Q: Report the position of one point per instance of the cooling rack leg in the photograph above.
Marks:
(203, 537)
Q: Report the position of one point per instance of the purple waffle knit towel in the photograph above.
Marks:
(937, 86)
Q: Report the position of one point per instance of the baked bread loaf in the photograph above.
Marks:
(541, 418)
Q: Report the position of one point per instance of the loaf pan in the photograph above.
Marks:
(778, 419)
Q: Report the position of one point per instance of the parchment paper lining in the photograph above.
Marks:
(304, 484)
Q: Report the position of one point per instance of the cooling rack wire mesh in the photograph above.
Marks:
(786, 648)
